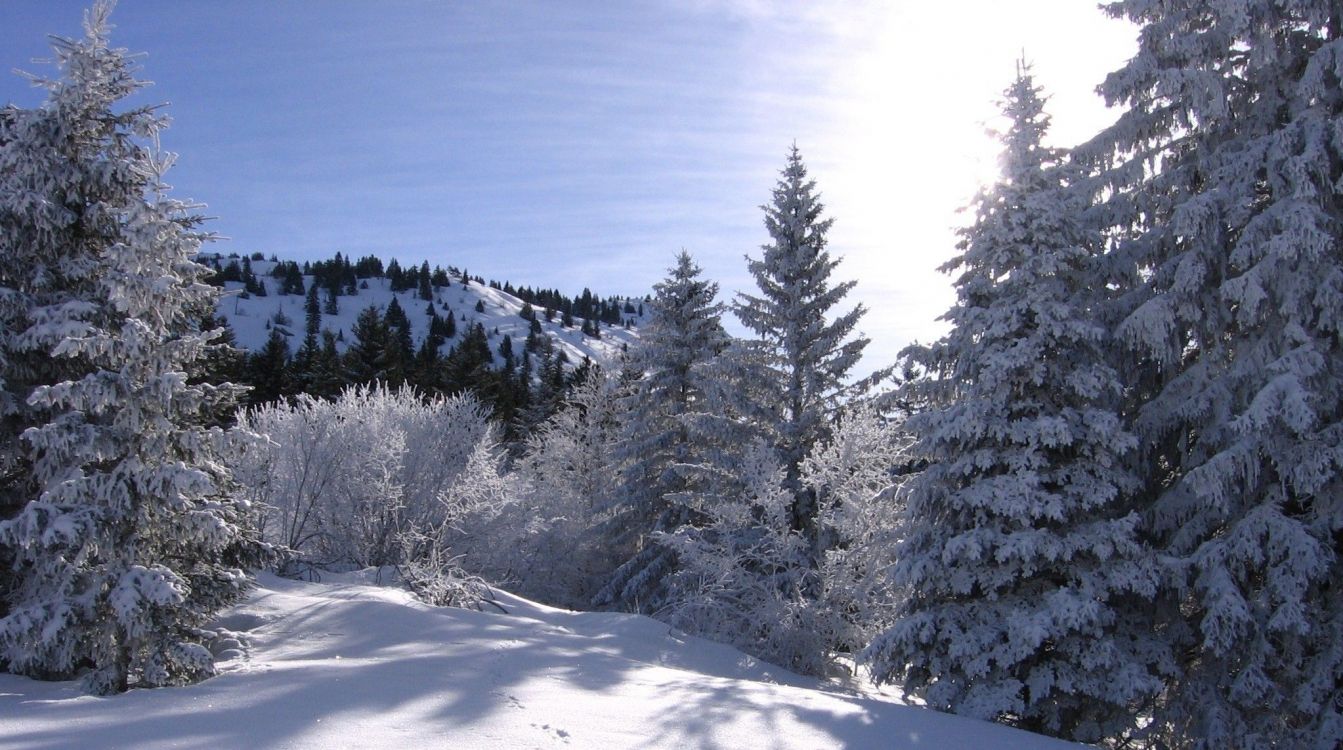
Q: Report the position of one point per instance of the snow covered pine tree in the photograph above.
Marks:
(681, 339)
(775, 399)
(1226, 177)
(130, 537)
(1019, 549)
(799, 361)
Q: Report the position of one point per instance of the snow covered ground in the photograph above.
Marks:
(348, 664)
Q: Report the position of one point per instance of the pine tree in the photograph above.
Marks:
(467, 366)
(372, 357)
(129, 539)
(426, 291)
(801, 359)
(312, 314)
(269, 371)
(403, 346)
(1021, 554)
(684, 335)
(1224, 175)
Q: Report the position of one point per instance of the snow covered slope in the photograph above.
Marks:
(252, 317)
(340, 665)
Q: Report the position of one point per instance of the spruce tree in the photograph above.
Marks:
(1020, 553)
(676, 346)
(425, 289)
(372, 356)
(799, 359)
(129, 539)
(1224, 175)
(269, 370)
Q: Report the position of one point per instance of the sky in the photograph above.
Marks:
(583, 144)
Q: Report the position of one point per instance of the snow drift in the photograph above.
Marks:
(348, 664)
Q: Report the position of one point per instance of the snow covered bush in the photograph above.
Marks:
(563, 544)
(859, 516)
(130, 535)
(342, 482)
(470, 529)
(743, 572)
(745, 577)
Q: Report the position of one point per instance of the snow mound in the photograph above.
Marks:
(349, 664)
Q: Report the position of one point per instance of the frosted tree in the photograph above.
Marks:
(343, 480)
(129, 538)
(570, 472)
(860, 518)
(1225, 172)
(794, 379)
(676, 348)
(1020, 551)
(742, 574)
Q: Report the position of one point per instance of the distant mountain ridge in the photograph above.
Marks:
(253, 316)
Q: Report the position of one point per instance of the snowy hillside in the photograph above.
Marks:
(252, 317)
(347, 664)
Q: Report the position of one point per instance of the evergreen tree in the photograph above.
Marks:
(292, 278)
(449, 326)
(325, 377)
(372, 357)
(425, 290)
(800, 359)
(403, 346)
(426, 373)
(312, 314)
(129, 539)
(1020, 553)
(269, 371)
(222, 364)
(1223, 177)
(683, 337)
(467, 366)
(396, 277)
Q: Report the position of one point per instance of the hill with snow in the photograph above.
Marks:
(252, 317)
(348, 664)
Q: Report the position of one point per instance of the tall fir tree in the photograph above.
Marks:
(1224, 175)
(130, 538)
(799, 359)
(1020, 552)
(683, 337)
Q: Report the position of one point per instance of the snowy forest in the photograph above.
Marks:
(1106, 506)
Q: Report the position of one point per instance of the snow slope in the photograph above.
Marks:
(345, 664)
(252, 317)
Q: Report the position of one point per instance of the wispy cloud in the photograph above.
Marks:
(582, 144)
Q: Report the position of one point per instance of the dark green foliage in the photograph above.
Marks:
(268, 370)
(426, 291)
(372, 356)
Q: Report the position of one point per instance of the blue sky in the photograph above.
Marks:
(582, 144)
